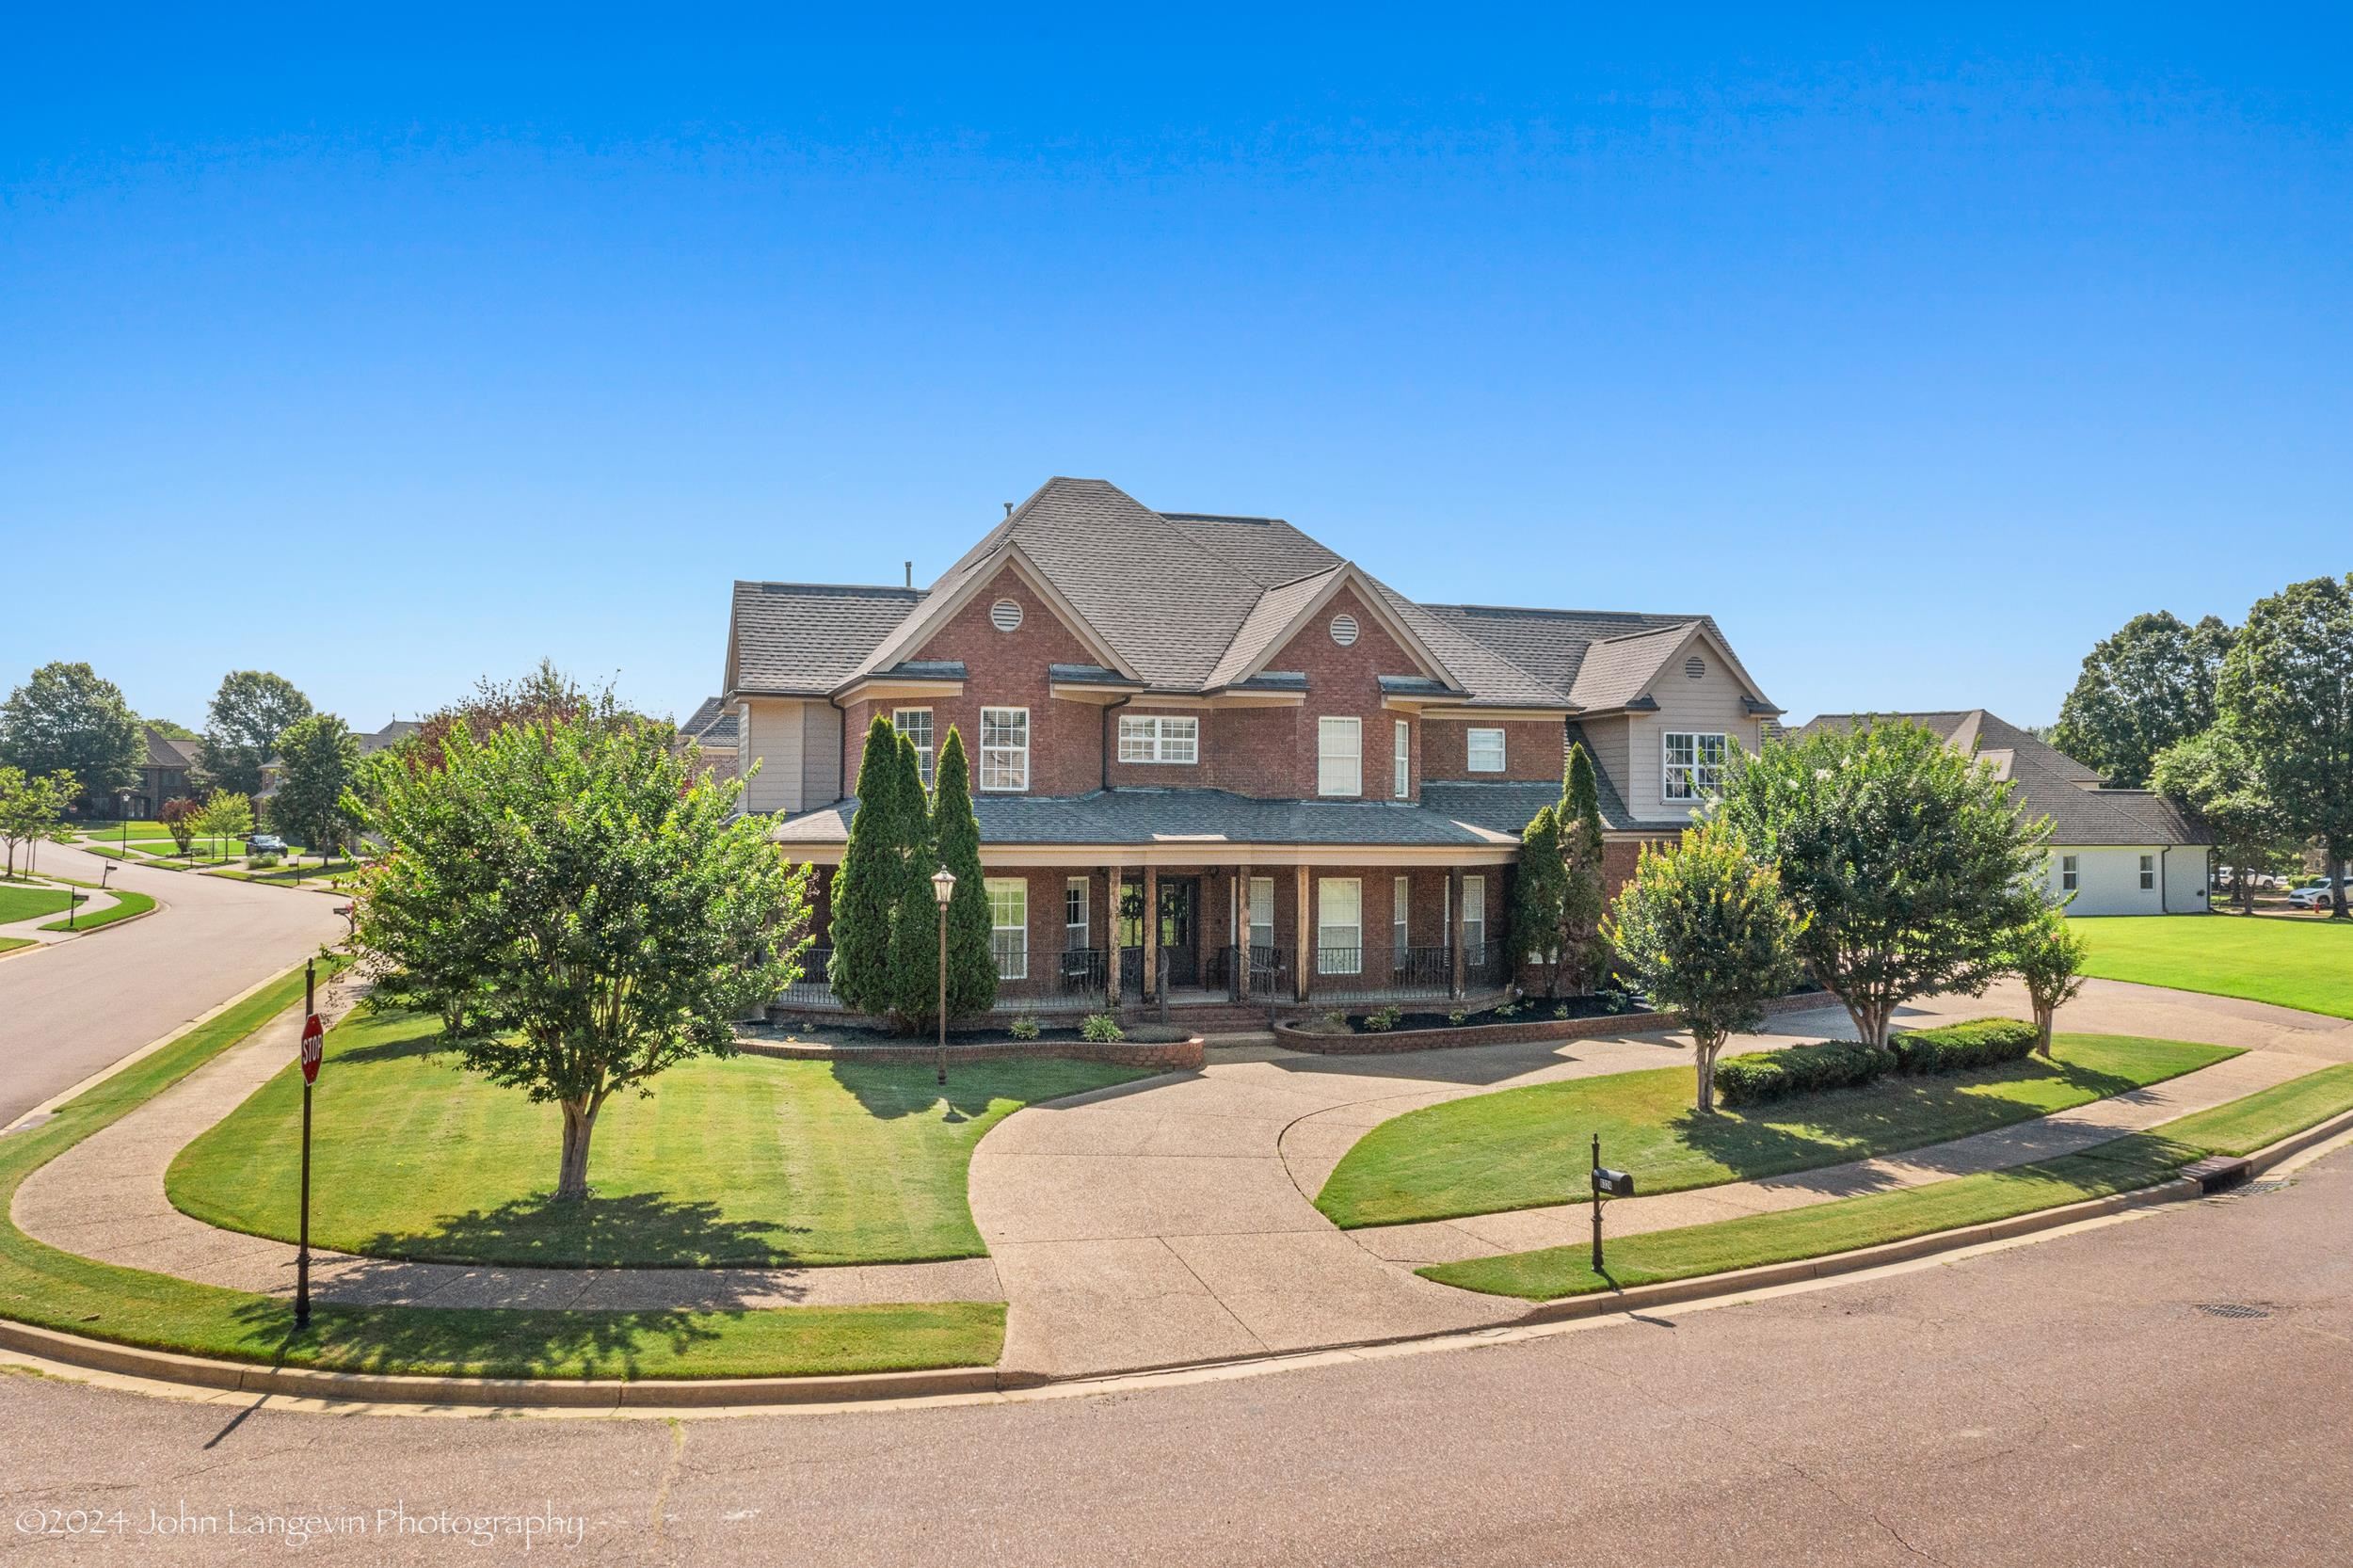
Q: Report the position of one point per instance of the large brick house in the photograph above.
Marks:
(1316, 784)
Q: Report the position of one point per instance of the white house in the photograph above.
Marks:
(2118, 851)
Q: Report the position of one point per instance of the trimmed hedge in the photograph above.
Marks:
(1847, 1065)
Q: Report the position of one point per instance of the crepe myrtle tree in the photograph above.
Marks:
(1705, 929)
(1911, 862)
(599, 911)
(2047, 955)
(32, 808)
(179, 816)
(224, 815)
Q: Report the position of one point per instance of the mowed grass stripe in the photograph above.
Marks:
(2304, 962)
(1531, 1147)
(2122, 1165)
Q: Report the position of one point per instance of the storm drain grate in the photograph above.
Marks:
(2275, 1185)
(2233, 1309)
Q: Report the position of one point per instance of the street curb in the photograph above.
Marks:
(864, 1387)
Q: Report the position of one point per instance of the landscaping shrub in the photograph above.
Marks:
(1959, 1047)
(1102, 1029)
(1159, 1034)
(1385, 1020)
(1800, 1070)
(1023, 1027)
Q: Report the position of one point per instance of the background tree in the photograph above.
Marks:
(68, 719)
(2146, 686)
(1537, 887)
(241, 727)
(1911, 862)
(170, 729)
(1583, 903)
(179, 816)
(2047, 954)
(615, 915)
(32, 808)
(915, 913)
(956, 842)
(544, 697)
(2220, 776)
(321, 756)
(226, 815)
(2287, 688)
(867, 888)
(1705, 929)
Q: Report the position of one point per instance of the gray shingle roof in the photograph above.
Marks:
(712, 725)
(2050, 783)
(802, 639)
(1549, 644)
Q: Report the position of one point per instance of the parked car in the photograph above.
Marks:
(2313, 893)
(265, 843)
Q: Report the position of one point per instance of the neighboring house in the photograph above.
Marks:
(371, 742)
(164, 775)
(1317, 785)
(2116, 852)
(712, 728)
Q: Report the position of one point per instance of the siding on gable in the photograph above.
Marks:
(771, 733)
(1709, 706)
(820, 754)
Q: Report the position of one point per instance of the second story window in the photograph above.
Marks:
(1402, 761)
(1695, 766)
(1146, 739)
(916, 725)
(1339, 756)
(1004, 748)
(1484, 751)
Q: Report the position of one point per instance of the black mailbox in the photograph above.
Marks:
(1612, 1184)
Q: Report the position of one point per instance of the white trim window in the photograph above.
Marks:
(1694, 765)
(2148, 873)
(2070, 877)
(1004, 748)
(1075, 922)
(1339, 925)
(1262, 911)
(1483, 751)
(1339, 756)
(1009, 926)
(916, 725)
(1402, 761)
(1400, 904)
(1150, 737)
(1474, 916)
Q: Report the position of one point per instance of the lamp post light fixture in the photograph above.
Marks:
(943, 889)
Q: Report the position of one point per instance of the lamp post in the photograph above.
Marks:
(943, 889)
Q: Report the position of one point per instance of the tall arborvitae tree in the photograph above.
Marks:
(1583, 905)
(1536, 898)
(915, 928)
(956, 840)
(866, 889)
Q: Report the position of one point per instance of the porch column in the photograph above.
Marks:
(1110, 936)
(1454, 928)
(1305, 926)
(1151, 931)
(1238, 929)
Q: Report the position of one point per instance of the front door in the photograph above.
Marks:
(1180, 906)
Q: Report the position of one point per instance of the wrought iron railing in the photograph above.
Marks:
(813, 989)
(1082, 972)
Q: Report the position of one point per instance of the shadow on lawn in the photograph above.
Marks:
(890, 1090)
(490, 1342)
(643, 1230)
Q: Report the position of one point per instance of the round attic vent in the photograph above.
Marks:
(1695, 667)
(1343, 630)
(1005, 615)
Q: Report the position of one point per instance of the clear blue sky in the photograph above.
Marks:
(390, 350)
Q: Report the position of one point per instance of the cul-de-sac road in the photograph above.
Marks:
(69, 1009)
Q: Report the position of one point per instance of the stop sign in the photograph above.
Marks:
(313, 1048)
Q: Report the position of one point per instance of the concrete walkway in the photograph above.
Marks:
(103, 1198)
(1172, 1222)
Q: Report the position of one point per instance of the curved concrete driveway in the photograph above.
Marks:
(75, 1007)
(1171, 1221)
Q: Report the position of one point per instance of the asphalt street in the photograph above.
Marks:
(68, 1010)
(2174, 1389)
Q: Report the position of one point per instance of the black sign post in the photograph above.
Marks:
(312, 1050)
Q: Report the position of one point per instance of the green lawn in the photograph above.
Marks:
(203, 852)
(2303, 962)
(9, 944)
(114, 830)
(743, 1160)
(293, 871)
(1525, 1148)
(2137, 1159)
(55, 1290)
(127, 905)
(22, 904)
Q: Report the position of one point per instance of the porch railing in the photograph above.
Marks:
(813, 991)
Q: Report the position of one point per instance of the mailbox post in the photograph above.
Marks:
(1607, 1184)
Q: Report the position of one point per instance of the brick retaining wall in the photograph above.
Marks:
(1299, 1038)
(1172, 1056)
